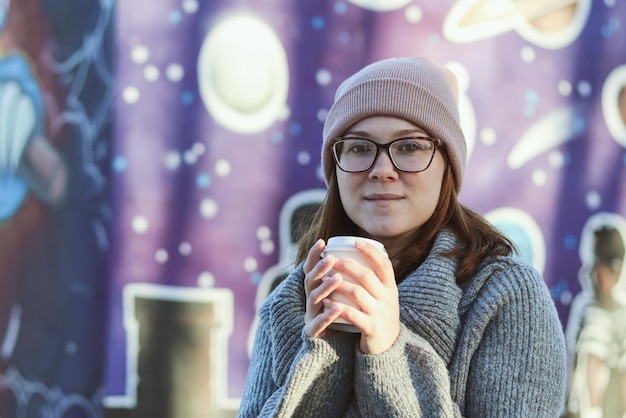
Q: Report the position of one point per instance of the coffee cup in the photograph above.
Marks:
(344, 247)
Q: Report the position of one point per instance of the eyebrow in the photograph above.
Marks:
(395, 134)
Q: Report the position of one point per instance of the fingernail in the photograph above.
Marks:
(327, 278)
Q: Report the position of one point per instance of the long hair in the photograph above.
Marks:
(477, 239)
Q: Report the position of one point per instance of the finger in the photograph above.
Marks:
(332, 311)
(314, 255)
(380, 261)
(314, 300)
(359, 274)
(352, 293)
(314, 277)
(328, 285)
(318, 325)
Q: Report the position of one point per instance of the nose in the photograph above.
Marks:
(383, 167)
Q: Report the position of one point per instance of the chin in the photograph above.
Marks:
(383, 234)
(388, 233)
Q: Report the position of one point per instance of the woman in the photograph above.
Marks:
(450, 323)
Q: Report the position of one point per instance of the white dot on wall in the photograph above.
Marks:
(190, 157)
(263, 233)
(140, 225)
(488, 136)
(267, 247)
(434, 39)
(593, 200)
(321, 115)
(151, 73)
(304, 158)
(584, 88)
(528, 54)
(172, 160)
(184, 248)
(566, 297)
(222, 168)
(539, 177)
(131, 95)
(190, 6)
(413, 14)
(206, 279)
(208, 208)
(565, 88)
(71, 347)
(323, 77)
(250, 264)
(161, 256)
(319, 173)
(198, 148)
(556, 159)
(139, 54)
(174, 72)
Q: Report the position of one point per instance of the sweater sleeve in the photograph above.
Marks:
(291, 374)
(519, 363)
(408, 380)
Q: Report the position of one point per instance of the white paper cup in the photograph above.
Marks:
(344, 247)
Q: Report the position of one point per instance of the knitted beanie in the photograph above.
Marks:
(415, 89)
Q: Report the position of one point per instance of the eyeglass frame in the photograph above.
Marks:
(437, 144)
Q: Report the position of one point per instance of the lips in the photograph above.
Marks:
(381, 197)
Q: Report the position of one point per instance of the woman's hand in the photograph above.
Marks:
(317, 287)
(376, 293)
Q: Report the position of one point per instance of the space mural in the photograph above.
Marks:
(157, 158)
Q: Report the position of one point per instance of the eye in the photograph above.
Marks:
(358, 147)
(413, 145)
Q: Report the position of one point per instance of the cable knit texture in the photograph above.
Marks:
(492, 348)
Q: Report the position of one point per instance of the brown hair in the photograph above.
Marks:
(477, 239)
(608, 245)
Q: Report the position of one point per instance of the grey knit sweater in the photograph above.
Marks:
(491, 348)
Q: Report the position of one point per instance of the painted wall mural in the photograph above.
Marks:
(158, 158)
(56, 97)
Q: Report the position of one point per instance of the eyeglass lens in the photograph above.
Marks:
(407, 154)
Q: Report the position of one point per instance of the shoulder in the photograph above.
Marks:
(510, 272)
(505, 281)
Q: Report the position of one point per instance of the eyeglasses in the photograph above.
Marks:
(413, 154)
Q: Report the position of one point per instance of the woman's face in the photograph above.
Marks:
(388, 204)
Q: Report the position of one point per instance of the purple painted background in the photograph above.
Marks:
(192, 132)
(541, 144)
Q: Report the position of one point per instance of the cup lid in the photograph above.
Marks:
(347, 243)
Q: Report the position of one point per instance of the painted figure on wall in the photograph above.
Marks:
(55, 95)
(597, 329)
(33, 174)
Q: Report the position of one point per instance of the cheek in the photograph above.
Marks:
(434, 183)
(345, 190)
(348, 187)
(432, 199)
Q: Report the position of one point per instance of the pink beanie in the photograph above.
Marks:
(415, 89)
